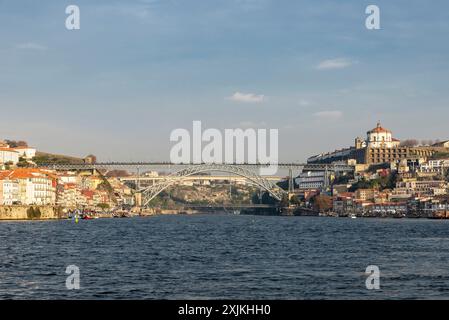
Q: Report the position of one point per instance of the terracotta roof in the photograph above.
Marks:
(379, 129)
(88, 193)
(8, 149)
(4, 174)
(345, 195)
(24, 173)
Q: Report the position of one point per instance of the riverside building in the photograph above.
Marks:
(379, 147)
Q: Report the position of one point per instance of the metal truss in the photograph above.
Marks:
(151, 192)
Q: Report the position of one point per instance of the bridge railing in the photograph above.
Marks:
(112, 165)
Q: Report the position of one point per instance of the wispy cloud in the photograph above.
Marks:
(332, 114)
(247, 97)
(31, 46)
(330, 64)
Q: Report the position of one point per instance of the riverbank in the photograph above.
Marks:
(10, 213)
(31, 213)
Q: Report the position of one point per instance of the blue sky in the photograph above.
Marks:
(136, 70)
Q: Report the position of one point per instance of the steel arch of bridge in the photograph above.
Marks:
(151, 192)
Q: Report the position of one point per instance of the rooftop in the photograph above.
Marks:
(379, 129)
(8, 150)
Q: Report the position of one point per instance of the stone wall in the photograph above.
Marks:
(30, 213)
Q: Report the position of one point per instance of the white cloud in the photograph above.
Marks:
(31, 46)
(330, 64)
(334, 114)
(247, 97)
(304, 103)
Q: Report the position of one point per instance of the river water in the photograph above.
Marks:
(225, 256)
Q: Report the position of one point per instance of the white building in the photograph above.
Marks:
(68, 177)
(442, 144)
(151, 174)
(381, 138)
(26, 152)
(311, 180)
(9, 192)
(8, 155)
(43, 191)
(435, 166)
(35, 187)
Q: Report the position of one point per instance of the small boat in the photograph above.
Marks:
(86, 217)
(353, 216)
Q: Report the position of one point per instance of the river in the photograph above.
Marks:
(225, 257)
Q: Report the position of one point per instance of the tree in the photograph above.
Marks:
(343, 179)
(118, 173)
(426, 142)
(361, 184)
(268, 199)
(103, 206)
(295, 200)
(15, 144)
(390, 181)
(23, 163)
(322, 202)
(440, 155)
(409, 143)
(284, 201)
(8, 165)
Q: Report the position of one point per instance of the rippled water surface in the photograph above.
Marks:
(225, 256)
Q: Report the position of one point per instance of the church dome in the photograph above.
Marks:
(379, 129)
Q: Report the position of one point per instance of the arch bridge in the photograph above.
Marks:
(153, 191)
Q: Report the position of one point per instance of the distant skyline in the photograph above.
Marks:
(138, 69)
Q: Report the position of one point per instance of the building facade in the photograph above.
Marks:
(26, 152)
(9, 192)
(311, 180)
(379, 147)
(380, 137)
(9, 156)
(36, 187)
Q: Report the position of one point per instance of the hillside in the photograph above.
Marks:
(50, 158)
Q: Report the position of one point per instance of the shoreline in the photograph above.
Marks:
(48, 213)
(229, 214)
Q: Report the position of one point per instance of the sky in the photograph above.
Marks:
(136, 70)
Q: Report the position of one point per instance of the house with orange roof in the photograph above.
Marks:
(35, 186)
(69, 196)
